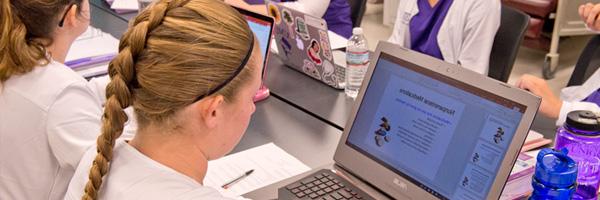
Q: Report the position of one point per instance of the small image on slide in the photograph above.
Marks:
(465, 181)
(475, 158)
(381, 135)
(497, 131)
(499, 136)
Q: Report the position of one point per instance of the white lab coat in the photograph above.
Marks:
(48, 118)
(133, 175)
(573, 95)
(466, 35)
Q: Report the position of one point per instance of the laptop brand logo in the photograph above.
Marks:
(402, 185)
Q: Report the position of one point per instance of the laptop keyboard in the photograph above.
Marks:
(322, 185)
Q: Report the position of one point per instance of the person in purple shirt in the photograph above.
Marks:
(457, 31)
(335, 12)
(582, 97)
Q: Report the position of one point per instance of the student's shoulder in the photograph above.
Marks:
(45, 84)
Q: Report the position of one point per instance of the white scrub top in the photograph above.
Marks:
(133, 176)
(466, 35)
(48, 119)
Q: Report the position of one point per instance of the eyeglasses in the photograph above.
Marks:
(62, 20)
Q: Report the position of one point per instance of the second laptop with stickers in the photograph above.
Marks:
(303, 44)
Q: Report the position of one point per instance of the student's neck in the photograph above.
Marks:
(59, 48)
(173, 150)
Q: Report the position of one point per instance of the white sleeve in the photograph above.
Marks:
(73, 124)
(315, 8)
(480, 30)
(573, 106)
(98, 87)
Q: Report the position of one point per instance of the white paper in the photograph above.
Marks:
(93, 42)
(270, 163)
(337, 41)
(124, 5)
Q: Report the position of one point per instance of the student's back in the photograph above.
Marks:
(37, 157)
(190, 70)
(49, 115)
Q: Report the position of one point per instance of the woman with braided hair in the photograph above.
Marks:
(49, 115)
(190, 69)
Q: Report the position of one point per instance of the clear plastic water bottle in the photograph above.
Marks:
(357, 61)
(555, 175)
(581, 136)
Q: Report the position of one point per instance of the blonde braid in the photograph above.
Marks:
(119, 93)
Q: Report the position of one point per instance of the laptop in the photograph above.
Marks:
(303, 44)
(425, 129)
(262, 26)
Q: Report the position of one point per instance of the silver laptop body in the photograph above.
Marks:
(425, 129)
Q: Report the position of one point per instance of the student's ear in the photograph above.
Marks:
(210, 109)
(71, 16)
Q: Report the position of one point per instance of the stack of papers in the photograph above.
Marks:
(91, 52)
(518, 185)
(270, 163)
(534, 140)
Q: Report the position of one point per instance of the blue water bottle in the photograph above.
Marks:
(555, 176)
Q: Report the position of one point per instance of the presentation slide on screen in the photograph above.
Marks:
(414, 125)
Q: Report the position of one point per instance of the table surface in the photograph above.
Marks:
(303, 116)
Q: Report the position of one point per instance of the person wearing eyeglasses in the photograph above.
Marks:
(49, 115)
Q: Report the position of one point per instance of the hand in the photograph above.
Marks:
(551, 104)
(589, 14)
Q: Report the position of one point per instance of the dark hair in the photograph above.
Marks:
(27, 27)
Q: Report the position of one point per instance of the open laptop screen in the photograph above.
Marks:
(443, 135)
(262, 29)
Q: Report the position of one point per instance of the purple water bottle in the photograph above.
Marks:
(581, 136)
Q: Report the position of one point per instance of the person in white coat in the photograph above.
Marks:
(582, 97)
(49, 115)
(190, 69)
(457, 31)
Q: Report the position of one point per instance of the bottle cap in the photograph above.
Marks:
(585, 121)
(357, 31)
(555, 168)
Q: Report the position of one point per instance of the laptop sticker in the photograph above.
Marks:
(310, 69)
(286, 46)
(274, 12)
(314, 48)
(287, 17)
(324, 38)
(301, 28)
(329, 73)
(299, 43)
